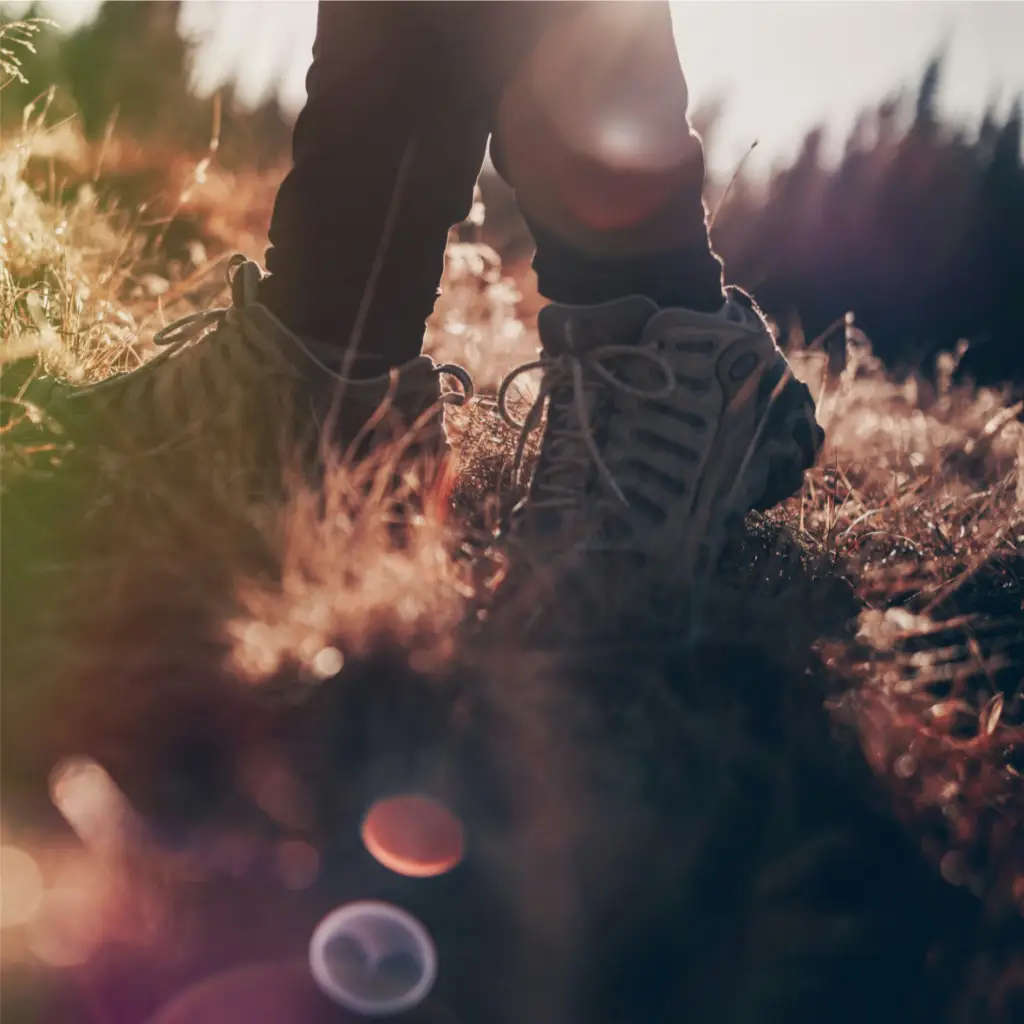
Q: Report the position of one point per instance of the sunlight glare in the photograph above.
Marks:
(619, 139)
(91, 803)
(21, 886)
(72, 917)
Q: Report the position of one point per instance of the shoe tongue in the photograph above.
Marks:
(582, 328)
(245, 284)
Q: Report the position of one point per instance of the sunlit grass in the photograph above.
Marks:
(915, 506)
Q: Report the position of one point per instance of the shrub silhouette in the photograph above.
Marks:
(131, 69)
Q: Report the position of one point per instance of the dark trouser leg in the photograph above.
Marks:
(386, 153)
(592, 133)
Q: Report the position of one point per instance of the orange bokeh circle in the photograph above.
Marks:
(414, 835)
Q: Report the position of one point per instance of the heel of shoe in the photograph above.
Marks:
(791, 440)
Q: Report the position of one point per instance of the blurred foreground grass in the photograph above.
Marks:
(915, 512)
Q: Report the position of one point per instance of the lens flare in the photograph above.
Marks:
(92, 804)
(262, 993)
(620, 140)
(414, 835)
(373, 958)
(21, 886)
(70, 921)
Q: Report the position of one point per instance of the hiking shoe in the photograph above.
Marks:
(664, 426)
(240, 369)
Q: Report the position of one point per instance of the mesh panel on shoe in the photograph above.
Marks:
(209, 361)
(656, 426)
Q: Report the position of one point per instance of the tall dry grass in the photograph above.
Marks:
(899, 570)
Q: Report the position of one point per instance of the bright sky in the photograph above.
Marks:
(781, 65)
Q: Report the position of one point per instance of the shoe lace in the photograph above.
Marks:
(573, 368)
(243, 278)
(261, 333)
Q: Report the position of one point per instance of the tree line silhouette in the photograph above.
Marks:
(918, 230)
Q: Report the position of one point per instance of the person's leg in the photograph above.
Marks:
(671, 411)
(593, 135)
(386, 153)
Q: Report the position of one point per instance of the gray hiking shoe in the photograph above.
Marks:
(240, 369)
(663, 426)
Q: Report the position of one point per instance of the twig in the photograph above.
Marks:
(728, 188)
